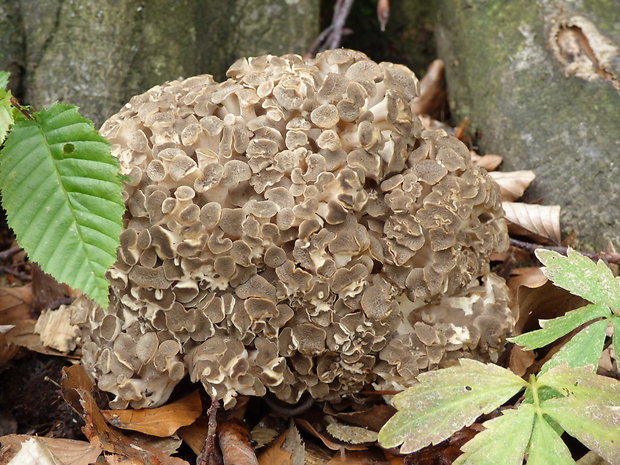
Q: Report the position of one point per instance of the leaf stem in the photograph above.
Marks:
(534, 387)
(23, 111)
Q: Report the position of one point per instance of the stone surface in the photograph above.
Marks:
(539, 82)
(98, 53)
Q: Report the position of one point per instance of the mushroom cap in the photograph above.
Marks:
(293, 229)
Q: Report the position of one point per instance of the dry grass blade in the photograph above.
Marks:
(535, 221)
(512, 184)
(161, 422)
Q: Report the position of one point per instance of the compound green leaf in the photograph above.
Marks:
(581, 383)
(558, 327)
(596, 425)
(546, 447)
(584, 348)
(446, 400)
(581, 276)
(503, 442)
(62, 195)
(4, 79)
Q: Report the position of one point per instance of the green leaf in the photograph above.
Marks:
(558, 327)
(4, 79)
(6, 113)
(581, 276)
(546, 447)
(583, 349)
(65, 208)
(615, 321)
(503, 442)
(446, 400)
(581, 383)
(593, 424)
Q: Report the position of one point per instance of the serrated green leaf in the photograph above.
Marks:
(615, 321)
(581, 276)
(596, 425)
(504, 441)
(65, 208)
(446, 400)
(4, 79)
(581, 383)
(546, 447)
(6, 114)
(584, 348)
(558, 327)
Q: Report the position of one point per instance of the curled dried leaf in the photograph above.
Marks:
(512, 184)
(535, 221)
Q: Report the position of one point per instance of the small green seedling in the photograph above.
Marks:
(61, 190)
(566, 396)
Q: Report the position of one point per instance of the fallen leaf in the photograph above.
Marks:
(77, 390)
(350, 434)
(432, 97)
(489, 161)
(162, 421)
(34, 452)
(543, 303)
(512, 184)
(234, 439)
(535, 221)
(23, 335)
(356, 458)
(68, 451)
(262, 435)
(373, 418)
(331, 443)
(591, 458)
(520, 360)
(15, 304)
(287, 449)
(530, 276)
(195, 434)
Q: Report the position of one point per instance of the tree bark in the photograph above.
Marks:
(98, 53)
(539, 82)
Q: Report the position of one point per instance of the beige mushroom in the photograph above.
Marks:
(293, 229)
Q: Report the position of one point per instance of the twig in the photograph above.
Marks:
(209, 448)
(331, 36)
(23, 111)
(290, 411)
(17, 274)
(235, 444)
(6, 254)
(610, 257)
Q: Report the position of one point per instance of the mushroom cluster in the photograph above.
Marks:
(293, 229)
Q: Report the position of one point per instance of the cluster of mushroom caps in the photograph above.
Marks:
(293, 229)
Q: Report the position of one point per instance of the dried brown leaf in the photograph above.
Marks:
(373, 418)
(162, 421)
(520, 360)
(489, 161)
(195, 434)
(234, 440)
(68, 451)
(512, 184)
(350, 434)
(15, 304)
(77, 388)
(287, 449)
(535, 221)
(432, 92)
(356, 458)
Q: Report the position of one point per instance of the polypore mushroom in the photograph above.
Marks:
(293, 229)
